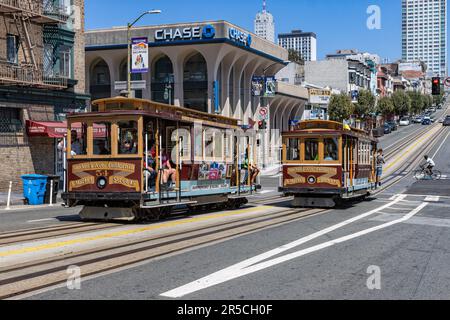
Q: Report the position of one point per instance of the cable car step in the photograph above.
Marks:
(168, 204)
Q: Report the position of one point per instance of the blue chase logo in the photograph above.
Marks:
(208, 32)
(240, 37)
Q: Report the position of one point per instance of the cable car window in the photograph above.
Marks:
(312, 149)
(209, 143)
(198, 144)
(128, 137)
(78, 143)
(293, 150)
(331, 149)
(102, 138)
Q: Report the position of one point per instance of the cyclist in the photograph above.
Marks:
(429, 165)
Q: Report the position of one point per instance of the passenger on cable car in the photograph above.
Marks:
(76, 146)
(151, 166)
(254, 171)
(168, 171)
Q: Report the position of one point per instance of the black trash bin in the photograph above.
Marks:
(51, 179)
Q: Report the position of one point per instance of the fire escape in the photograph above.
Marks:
(30, 70)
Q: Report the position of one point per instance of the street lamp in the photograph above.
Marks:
(129, 26)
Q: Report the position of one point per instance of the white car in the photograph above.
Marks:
(405, 122)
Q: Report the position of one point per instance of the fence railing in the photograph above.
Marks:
(40, 7)
(34, 6)
(29, 76)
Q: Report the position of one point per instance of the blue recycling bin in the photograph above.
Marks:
(34, 188)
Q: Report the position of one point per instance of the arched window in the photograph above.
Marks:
(162, 81)
(100, 81)
(195, 83)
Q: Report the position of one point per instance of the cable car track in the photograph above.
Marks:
(52, 272)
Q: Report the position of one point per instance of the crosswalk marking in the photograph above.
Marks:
(432, 199)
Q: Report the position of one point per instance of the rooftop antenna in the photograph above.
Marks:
(264, 6)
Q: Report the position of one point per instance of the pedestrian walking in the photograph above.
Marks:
(380, 163)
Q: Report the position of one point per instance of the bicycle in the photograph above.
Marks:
(423, 174)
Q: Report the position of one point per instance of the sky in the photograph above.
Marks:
(339, 24)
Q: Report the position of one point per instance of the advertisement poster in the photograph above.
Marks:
(257, 86)
(214, 171)
(139, 55)
(270, 87)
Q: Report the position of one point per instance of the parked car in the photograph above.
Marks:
(439, 106)
(426, 121)
(393, 125)
(387, 129)
(446, 122)
(418, 119)
(405, 122)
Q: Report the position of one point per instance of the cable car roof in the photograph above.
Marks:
(324, 126)
(123, 105)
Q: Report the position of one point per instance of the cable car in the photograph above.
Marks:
(135, 159)
(325, 162)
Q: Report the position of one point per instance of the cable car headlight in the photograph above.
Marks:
(312, 180)
(102, 182)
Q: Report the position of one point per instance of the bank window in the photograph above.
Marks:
(330, 149)
(78, 139)
(293, 150)
(312, 149)
(102, 138)
(128, 137)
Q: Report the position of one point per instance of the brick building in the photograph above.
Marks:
(42, 78)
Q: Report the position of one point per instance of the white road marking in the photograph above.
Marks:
(432, 199)
(255, 264)
(440, 147)
(42, 220)
(425, 221)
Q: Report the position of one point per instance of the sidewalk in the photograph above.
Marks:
(18, 201)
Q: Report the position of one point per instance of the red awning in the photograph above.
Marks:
(59, 129)
(46, 129)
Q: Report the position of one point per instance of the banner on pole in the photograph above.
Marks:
(139, 55)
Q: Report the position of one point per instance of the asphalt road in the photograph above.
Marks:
(405, 240)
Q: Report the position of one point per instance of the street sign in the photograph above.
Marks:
(447, 82)
(135, 85)
(263, 113)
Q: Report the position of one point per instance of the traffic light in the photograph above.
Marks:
(262, 125)
(436, 90)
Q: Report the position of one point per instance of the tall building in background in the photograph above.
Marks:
(265, 24)
(424, 34)
(305, 43)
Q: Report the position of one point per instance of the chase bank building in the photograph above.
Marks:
(207, 66)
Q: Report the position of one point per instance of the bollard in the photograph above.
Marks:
(51, 193)
(8, 203)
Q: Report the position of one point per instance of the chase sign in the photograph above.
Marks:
(188, 33)
(240, 37)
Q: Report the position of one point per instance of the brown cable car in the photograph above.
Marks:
(133, 159)
(325, 162)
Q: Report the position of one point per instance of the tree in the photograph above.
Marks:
(385, 107)
(365, 105)
(295, 56)
(340, 107)
(418, 102)
(438, 99)
(401, 102)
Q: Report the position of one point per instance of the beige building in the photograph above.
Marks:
(41, 79)
(208, 66)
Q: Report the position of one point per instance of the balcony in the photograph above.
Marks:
(29, 77)
(35, 10)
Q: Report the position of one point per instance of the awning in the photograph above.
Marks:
(46, 129)
(58, 129)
